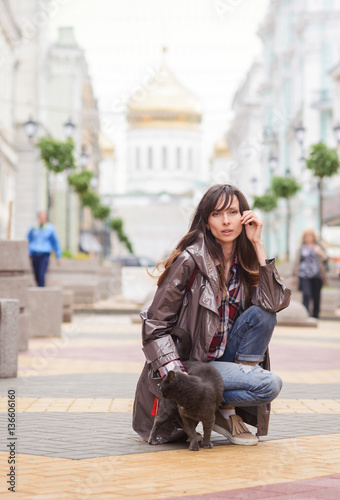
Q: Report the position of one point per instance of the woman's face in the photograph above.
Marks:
(225, 225)
(309, 239)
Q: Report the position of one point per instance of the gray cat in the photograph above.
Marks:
(190, 397)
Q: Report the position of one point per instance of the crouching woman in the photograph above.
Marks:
(219, 286)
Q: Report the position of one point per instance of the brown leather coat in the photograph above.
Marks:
(197, 312)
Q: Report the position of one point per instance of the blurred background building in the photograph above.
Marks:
(46, 91)
(71, 100)
(9, 34)
(163, 164)
(152, 178)
(289, 101)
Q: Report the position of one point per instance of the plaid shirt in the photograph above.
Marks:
(229, 304)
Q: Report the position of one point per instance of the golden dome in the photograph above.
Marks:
(106, 146)
(164, 102)
(221, 149)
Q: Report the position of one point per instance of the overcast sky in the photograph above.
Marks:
(211, 45)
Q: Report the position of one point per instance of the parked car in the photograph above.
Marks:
(134, 260)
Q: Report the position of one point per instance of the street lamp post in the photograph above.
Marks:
(83, 160)
(273, 161)
(254, 181)
(31, 129)
(69, 129)
(300, 133)
(336, 130)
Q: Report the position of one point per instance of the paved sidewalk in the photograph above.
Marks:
(74, 400)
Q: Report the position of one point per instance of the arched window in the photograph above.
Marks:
(150, 158)
(164, 158)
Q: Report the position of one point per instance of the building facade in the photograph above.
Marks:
(295, 89)
(69, 95)
(164, 137)
(244, 136)
(9, 36)
(163, 166)
(51, 86)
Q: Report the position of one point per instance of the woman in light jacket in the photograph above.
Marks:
(219, 286)
(310, 269)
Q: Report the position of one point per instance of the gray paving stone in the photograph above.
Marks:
(292, 425)
(116, 385)
(310, 391)
(79, 436)
(82, 385)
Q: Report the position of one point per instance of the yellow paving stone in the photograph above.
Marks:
(148, 476)
(121, 405)
(310, 377)
(326, 329)
(318, 406)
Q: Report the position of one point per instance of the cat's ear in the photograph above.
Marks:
(171, 376)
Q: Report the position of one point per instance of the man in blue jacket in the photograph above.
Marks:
(42, 241)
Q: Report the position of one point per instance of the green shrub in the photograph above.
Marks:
(56, 155)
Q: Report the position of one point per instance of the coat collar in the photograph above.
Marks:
(199, 252)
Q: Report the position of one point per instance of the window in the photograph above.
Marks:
(165, 158)
(190, 159)
(137, 159)
(150, 158)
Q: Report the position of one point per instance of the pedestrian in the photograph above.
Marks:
(219, 286)
(310, 269)
(42, 241)
(337, 266)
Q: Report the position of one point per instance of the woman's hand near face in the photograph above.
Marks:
(253, 226)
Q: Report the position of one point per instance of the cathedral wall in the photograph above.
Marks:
(163, 160)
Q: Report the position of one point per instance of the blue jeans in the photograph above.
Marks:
(311, 292)
(40, 265)
(246, 385)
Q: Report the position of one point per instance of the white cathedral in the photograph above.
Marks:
(164, 137)
(164, 173)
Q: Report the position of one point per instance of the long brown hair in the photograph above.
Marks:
(221, 196)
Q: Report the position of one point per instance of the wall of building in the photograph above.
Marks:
(9, 35)
(300, 47)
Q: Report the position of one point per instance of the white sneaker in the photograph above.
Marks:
(234, 429)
